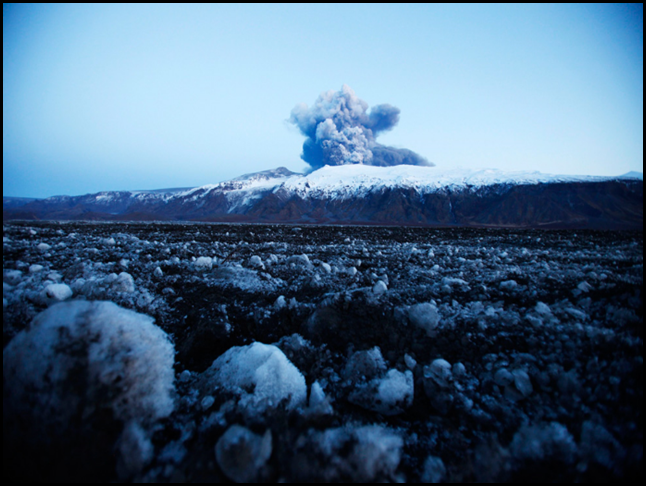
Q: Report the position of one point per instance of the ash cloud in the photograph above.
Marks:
(340, 130)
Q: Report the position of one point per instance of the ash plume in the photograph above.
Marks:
(340, 130)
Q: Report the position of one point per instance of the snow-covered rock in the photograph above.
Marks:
(241, 454)
(79, 363)
(256, 262)
(438, 385)
(261, 375)
(434, 470)
(58, 291)
(369, 453)
(299, 260)
(124, 283)
(365, 364)
(204, 263)
(388, 395)
(379, 288)
(544, 441)
(425, 316)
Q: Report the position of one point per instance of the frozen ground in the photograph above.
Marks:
(321, 353)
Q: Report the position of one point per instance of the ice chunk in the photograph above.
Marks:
(299, 260)
(124, 283)
(584, 287)
(12, 277)
(434, 470)
(438, 381)
(364, 365)
(458, 370)
(503, 377)
(317, 395)
(86, 367)
(394, 392)
(159, 273)
(261, 374)
(522, 382)
(360, 454)
(598, 445)
(204, 263)
(508, 285)
(424, 316)
(543, 309)
(256, 262)
(58, 291)
(207, 402)
(319, 403)
(326, 267)
(576, 313)
(43, 247)
(390, 395)
(439, 372)
(35, 268)
(280, 302)
(135, 450)
(545, 441)
(379, 451)
(410, 361)
(453, 281)
(241, 454)
(379, 288)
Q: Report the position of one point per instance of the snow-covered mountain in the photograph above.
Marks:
(359, 194)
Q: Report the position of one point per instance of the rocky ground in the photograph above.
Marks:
(312, 353)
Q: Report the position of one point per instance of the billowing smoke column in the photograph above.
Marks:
(340, 131)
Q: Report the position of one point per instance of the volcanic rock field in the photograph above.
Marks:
(233, 352)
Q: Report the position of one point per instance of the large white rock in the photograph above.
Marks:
(261, 375)
(76, 364)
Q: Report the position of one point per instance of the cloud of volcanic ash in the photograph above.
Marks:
(340, 130)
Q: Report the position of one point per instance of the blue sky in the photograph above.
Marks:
(107, 97)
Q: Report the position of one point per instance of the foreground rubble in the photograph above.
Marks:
(336, 353)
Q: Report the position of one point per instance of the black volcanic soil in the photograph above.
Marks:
(560, 310)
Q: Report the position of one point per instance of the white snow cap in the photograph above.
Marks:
(263, 368)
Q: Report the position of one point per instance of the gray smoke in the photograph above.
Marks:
(340, 131)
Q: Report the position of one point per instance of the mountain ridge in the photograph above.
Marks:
(398, 195)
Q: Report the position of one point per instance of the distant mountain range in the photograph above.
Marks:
(359, 194)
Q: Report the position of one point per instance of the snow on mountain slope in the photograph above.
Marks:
(348, 181)
(352, 180)
(375, 195)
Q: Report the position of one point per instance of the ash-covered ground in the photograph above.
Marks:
(320, 353)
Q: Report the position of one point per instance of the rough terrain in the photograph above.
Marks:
(397, 354)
